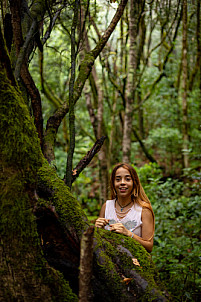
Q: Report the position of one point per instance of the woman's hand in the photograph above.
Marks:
(101, 222)
(120, 228)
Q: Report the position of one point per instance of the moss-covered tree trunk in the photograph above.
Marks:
(24, 273)
(41, 223)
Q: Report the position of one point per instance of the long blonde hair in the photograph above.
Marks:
(138, 194)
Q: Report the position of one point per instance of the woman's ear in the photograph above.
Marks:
(135, 192)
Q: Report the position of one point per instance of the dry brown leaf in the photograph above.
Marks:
(127, 280)
(135, 261)
(74, 172)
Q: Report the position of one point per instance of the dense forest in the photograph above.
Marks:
(102, 82)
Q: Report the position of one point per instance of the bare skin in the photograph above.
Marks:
(147, 227)
(124, 187)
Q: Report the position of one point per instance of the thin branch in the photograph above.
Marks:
(51, 25)
(162, 74)
(83, 129)
(198, 55)
(110, 29)
(83, 25)
(24, 48)
(50, 95)
(144, 149)
(71, 98)
(147, 96)
(87, 158)
(5, 61)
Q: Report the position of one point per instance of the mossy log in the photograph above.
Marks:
(41, 224)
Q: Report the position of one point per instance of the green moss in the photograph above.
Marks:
(61, 291)
(16, 129)
(20, 242)
(112, 279)
(85, 69)
(67, 207)
(38, 9)
(117, 246)
(23, 266)
(49, 142)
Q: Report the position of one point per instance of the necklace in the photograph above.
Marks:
(121, 215)
(122, 207)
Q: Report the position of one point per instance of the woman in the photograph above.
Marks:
(129, 212)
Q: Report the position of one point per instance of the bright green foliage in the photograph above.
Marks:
(177, 247)
(168, 142)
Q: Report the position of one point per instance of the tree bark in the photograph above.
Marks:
(86, 266)
(198, 55)
(131, 86)
(102, 155)
(69, 164)
(142, 37)
(98, 124)
(184, 89)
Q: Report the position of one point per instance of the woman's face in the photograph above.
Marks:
(123, 183)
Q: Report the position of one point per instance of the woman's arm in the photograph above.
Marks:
(147, 230)
(101, 221)
(147, 227)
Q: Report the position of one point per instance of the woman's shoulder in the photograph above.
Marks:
(143, 204)
(147, 211)
(102, 211)
(108, 203)
(147, 216)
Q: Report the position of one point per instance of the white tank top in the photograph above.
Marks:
(132, 221)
